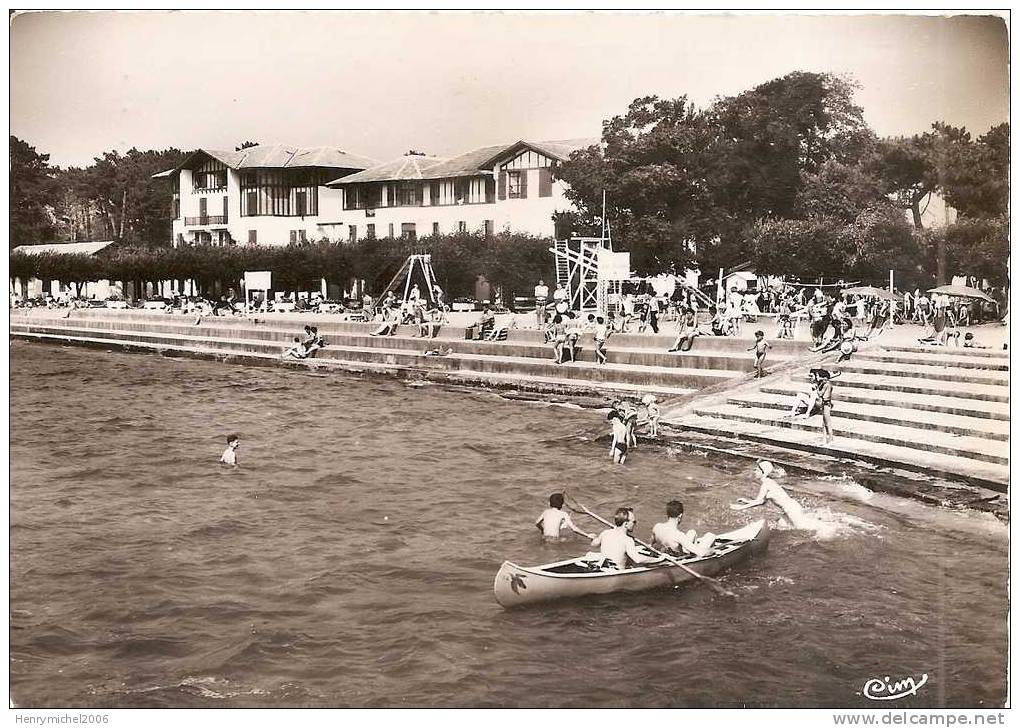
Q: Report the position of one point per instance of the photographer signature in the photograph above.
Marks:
(878, 689)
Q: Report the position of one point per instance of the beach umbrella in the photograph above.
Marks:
(962, 292)
(873, 292)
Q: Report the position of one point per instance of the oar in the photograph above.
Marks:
(714, 583)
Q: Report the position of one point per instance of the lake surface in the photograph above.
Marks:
(349, 561)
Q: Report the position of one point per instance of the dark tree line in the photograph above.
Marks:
(114, 198)
(789, 177)
(510, 261)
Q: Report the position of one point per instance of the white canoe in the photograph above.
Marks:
(519, 585)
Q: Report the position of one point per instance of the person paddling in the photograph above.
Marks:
(554, 518)
(616, 544)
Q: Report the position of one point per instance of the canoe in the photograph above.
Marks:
(520, 585)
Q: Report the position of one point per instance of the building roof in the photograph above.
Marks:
(280, 156)
(65, 248)
(477, 161)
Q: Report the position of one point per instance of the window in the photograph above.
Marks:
(300, 203)
(435, 193)
(462, 227)
(352, 233)
(407, 231)
(175, 208)
(298, 236)
(203, 210)
(251, 203)
(409, 195)
(490, 190)
(253, 237)
(517, 184)
(370, 231)
(490, 228)
(391, 229)
(435, 228)
(462, 191)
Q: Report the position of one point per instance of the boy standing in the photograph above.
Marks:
(620, 437)
(760, 347)
(602, 334)
(554, 518)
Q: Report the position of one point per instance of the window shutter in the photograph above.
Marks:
(502, 185)
(545, 182)
(293, 236)
(524, 184)
(226, 206)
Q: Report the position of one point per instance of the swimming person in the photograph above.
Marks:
(554, 518)
(771, 491)
(229, 456)
(667, 536)
(617, 545)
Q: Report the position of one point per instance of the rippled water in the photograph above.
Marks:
(349, 561)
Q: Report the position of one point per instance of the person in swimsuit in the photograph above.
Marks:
(559, 338)
(770, 490)
(554, 518)
(616, 545)
(760, 348)
(229, 456)
(824, 402)
(602, 334)
(619, 446)
(668, 536)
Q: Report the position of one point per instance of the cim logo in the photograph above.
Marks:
(876, 689)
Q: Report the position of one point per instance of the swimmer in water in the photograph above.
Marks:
(554, 518)
(229, 456)
(771, 491)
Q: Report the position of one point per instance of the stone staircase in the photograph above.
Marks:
(638, 363)
(943, 411)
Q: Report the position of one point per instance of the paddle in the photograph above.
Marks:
(714, 583)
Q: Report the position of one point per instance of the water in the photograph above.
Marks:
(350, 560)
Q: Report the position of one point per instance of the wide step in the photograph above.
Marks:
(932, 441)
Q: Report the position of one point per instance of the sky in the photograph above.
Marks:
(380, 84)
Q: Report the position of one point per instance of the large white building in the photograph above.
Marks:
(263, 194)
(504, 187)
(275, 195)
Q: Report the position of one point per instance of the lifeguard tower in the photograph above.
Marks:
(591, 272)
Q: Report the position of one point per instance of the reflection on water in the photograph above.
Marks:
(349, 561)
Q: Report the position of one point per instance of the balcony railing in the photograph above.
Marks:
(206, 220)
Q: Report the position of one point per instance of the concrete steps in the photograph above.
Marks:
(670, 381)
(954, 405)
(937, 358)
(887, 414)
(862, 365)
(942, 410)
(989, 475)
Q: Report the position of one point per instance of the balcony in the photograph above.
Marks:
(205, 220)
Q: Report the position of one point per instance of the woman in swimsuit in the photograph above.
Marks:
(770, 490)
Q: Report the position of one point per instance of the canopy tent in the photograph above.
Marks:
(962, 292)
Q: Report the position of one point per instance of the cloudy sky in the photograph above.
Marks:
(379, 84)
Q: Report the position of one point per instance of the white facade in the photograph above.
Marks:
(262, 196)
(516, 192)
(224, 223)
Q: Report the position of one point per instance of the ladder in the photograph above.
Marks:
(562, 265)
